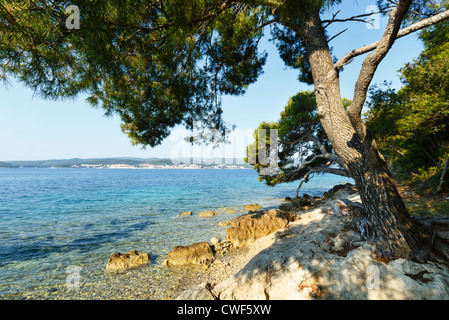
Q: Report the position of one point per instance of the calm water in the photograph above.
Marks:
(53, 219)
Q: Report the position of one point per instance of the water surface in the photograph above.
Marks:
(53, 219)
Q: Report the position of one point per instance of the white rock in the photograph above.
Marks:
(214, 241)
(297, 262)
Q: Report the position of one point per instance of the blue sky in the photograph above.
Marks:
(35, 129)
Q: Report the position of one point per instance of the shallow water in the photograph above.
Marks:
(54, 220)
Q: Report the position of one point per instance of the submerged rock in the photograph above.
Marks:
(224, 223)
(183, 214)
(121, 262)
(207, 214)
(199, 253)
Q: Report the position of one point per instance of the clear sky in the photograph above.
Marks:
(36, 129)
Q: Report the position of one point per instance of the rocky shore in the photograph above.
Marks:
(311, 251)
(307, 248)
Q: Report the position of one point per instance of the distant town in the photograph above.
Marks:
(153, 166)
(130, 163)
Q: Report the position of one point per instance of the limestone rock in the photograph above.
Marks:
(199, 253)
(355, 214)
(315, 200)
(121, 262)
(344, 241)
(341, 191)
(289, 207)
(247, 228)
(252, 207)
(207, 214)
(223, 247)
(187, 213)
(224, 223)
(301, 202)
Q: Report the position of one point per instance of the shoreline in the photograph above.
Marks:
(227, 266)
(315, 257)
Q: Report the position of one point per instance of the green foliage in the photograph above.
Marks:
(154, 64)
(298, 121)
(258, 160)
(293, 52)
(412, 125)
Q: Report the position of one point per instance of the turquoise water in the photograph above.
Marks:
(51, 219)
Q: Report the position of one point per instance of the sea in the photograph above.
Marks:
(58, 227)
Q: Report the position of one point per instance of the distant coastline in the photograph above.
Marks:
(131, 163)
(151, 166)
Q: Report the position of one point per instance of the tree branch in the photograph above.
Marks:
(332, 38)
(371, 63)
(339, 172)
(292, 142)
(306, 178)
(356, 18)
(319, 169)
(347, 58)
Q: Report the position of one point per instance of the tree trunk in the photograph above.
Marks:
(393, 232)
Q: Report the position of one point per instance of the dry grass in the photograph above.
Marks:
(424, 205)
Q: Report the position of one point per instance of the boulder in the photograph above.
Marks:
(252, 207)
(289, 207)
(354, 213)
(187, 213)
(316, 200)
(199, 253)
(224, 223)
(247, 228)
(121, 262)
(207, 214)
(214, 241)
(341, 191)
(301, 202)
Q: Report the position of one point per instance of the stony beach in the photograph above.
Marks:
(317, 255)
